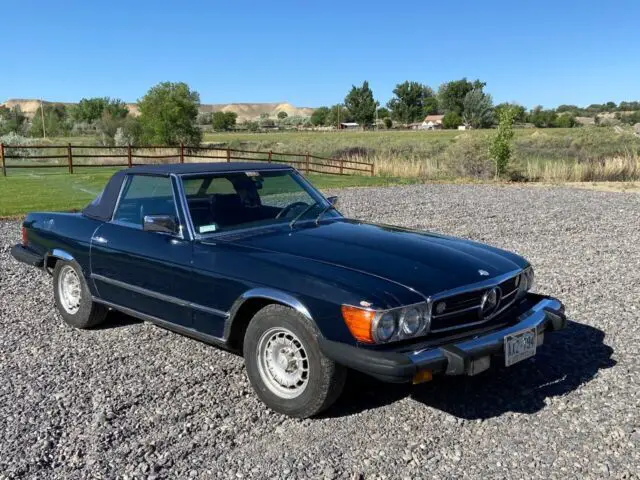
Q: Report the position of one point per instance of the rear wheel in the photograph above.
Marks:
(73, 298)
(285, 365)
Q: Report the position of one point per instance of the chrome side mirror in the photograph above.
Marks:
(160, 223)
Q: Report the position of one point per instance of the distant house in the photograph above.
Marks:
(349, 126)
(432, 122)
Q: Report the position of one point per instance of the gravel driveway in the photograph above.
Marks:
(133, 400)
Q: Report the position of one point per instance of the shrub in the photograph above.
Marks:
(469, 157)
(451, 120)
(12, 138)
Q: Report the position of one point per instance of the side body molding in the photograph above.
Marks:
(265, 293)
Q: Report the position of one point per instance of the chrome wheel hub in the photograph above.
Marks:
(283, 362)
(69, 290)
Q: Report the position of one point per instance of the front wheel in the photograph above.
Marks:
(285, 365)
(73, 298)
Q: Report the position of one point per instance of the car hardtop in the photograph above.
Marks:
(102, 207)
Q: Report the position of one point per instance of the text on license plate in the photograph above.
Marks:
(520, 345)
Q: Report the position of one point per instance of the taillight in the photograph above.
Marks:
(25, 240)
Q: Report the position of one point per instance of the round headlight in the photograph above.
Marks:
(411, 321)
(386, 326)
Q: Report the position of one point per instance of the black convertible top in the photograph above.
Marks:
(101, 208)
(191, 168)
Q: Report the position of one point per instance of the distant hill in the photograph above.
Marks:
(245, 111)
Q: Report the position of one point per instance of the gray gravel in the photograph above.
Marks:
(132, 400)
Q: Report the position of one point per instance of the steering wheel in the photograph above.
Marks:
(290, 207)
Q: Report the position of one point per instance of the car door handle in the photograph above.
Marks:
(99, 240)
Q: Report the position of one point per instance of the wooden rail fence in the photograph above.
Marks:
(76, 156)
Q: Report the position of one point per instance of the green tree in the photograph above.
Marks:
(388, 123)
(90, 110)
(223, 120)
(500, 148)
(430, 106)
(55, 116)
(565, 121)
(383, 113)
(319, 116)
(451, 120)
(451, 94)
(168, 114)
(519, 112)
(116, 108)
(360, 102)
(282, 115)
(11, 120)
(408, 103)
(338, 114)
(477, 109)
(542, 118)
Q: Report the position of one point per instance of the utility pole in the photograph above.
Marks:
(376, 118)
(44, 133)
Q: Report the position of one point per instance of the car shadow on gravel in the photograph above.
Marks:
(117, 319)
(568, 359)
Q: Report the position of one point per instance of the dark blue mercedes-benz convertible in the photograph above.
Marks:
(251, 257)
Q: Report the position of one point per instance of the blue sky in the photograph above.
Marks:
(310, 53)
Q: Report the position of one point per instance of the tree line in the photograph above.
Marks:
(461, 102)
(169, 114)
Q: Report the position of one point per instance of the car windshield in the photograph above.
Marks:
(230, 201)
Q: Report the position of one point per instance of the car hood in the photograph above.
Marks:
(426, 262)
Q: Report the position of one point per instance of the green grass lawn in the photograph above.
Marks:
(55, 190)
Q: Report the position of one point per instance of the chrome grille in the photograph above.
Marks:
(463, 309)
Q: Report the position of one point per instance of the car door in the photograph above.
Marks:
(144, 271)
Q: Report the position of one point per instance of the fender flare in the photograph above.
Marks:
(277, 296)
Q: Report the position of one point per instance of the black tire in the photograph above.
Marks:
(324, 379)
(88, 314)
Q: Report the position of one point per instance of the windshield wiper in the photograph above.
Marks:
(331, 206)
(301, 214)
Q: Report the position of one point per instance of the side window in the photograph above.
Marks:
(282, 190)
(145, 195)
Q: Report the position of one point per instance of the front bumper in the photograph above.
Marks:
(24, 255)
(456, 358)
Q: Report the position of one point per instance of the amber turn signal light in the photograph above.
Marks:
(359, 322)
(422, 376)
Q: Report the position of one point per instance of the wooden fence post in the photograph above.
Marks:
(228, 154)
(129, 156)
(270, 155)
(372, 169)
(70, 155)
(181, 152)
(341, 167)
(306, 166)
(4, 165)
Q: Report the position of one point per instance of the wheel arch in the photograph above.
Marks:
(51, 258)
(249, 303)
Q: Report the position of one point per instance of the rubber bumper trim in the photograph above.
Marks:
(24, 255)
(450, 359)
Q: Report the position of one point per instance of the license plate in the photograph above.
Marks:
(519, 346)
